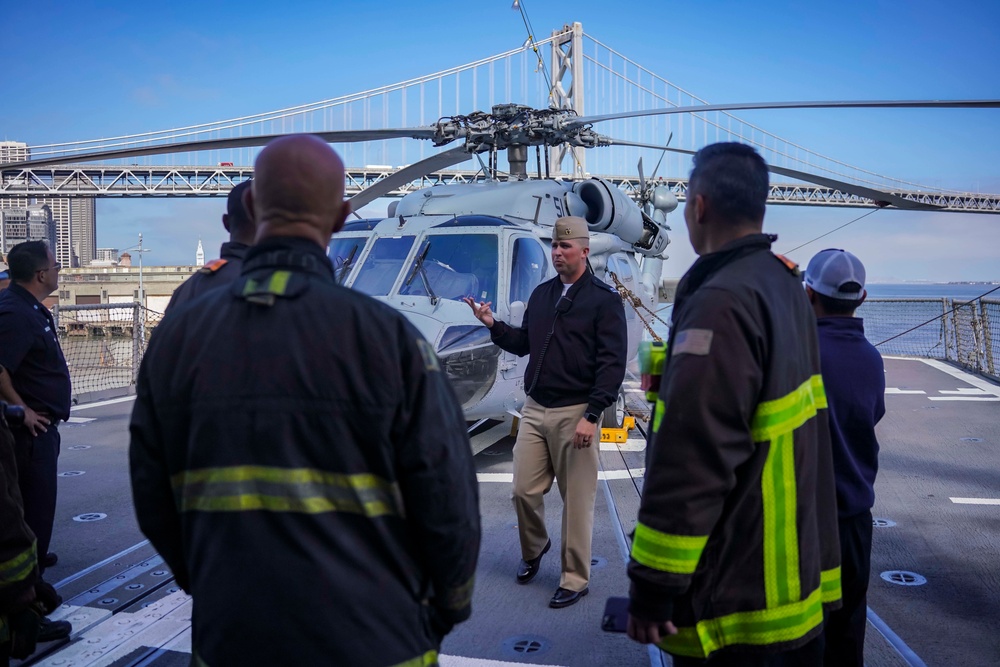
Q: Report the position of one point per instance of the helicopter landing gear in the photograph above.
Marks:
(614, 415)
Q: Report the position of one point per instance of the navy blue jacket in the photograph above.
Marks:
(585, 359)
(30, 351)
(854, 377)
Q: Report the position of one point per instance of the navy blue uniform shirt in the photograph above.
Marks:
(30, 351)
(854, 377)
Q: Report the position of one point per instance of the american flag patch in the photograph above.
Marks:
(693, 341)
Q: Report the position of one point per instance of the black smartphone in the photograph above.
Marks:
(615, 617)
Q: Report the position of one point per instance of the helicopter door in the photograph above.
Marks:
(529, 266)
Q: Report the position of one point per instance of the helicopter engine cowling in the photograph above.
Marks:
(611, 211)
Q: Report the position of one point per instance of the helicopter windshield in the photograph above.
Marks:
(344, 253)
(378, 272)
(454, 266)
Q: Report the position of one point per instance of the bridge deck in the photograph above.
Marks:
(939, 442)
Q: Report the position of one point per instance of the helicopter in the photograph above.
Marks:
(491, 240)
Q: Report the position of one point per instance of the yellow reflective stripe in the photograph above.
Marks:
(785, 414)
(460, 597)
(305, 490)
(665, 552)
(426, 660)
(19, 567)
(830, 584)
(781, 537)
(754, 628)
(660, 407)
(279, 282)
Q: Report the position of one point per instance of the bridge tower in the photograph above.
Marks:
(567, 90)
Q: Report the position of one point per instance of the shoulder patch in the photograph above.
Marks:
(213, 266)
(693, 341)
(792, 267)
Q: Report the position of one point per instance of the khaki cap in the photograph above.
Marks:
(571, 227)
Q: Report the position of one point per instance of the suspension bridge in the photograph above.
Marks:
(568, 70)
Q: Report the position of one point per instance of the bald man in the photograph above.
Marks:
(297, 455)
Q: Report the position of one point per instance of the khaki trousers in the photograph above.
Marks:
(543, 452)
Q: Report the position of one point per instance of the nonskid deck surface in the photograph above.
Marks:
(940, 468)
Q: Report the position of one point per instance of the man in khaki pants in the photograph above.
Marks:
(575, 333)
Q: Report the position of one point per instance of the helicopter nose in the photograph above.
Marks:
(465, 352)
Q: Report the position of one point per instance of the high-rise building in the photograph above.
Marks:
(32, 223)
(75, 242)
(76, 230)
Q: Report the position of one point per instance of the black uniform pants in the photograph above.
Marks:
(809, 655)
(37, 458)
(845, 628)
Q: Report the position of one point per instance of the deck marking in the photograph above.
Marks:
(975, 501)
(894, 390)
(99, 404)
(965, 391)
(967, 378)
(630, 445)
(490, 437)
(508, 477)
(111, 559)
(911, 658)
(973, 399)
(80, 420)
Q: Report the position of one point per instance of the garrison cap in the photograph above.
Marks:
(837, 274)
(571, 227)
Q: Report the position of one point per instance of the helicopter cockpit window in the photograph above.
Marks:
(378, 272)
(454, 266)
(529, 266)
(345, 252)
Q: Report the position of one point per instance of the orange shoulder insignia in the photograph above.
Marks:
(789, 264)
(213, 266)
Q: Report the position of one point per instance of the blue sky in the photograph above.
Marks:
(83, 70)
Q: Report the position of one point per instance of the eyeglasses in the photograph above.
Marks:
(54, 267)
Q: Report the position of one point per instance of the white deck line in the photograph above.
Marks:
(967, 378)
(894, 390)
(101, 404)
(975, 501)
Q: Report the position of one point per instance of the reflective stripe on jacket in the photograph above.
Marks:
(302, 464)
(737, 534)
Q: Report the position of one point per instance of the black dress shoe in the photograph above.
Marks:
(527, 570)
(49, 631)
(565, 597)
(50, 559)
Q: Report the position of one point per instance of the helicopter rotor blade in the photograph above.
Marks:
(660, 161)
(860, 104)
(642, 180)
(426, 166)
(336, 136)
(880, 197)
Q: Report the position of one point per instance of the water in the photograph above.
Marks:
(960, 291)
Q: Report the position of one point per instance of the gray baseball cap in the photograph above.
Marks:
(837, 274)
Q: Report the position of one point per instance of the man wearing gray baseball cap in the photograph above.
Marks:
(854, 378)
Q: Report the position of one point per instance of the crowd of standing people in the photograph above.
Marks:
(339, 469)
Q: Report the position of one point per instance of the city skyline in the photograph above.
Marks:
(731, 54)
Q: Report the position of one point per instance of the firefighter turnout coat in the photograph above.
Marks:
(737, 534)
(301, 463)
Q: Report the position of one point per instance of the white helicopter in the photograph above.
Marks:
(491, 240)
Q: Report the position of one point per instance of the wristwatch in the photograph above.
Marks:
(591, 417)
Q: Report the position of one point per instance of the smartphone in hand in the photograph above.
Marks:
(615, 617)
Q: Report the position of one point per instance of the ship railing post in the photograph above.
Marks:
(136, 343)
